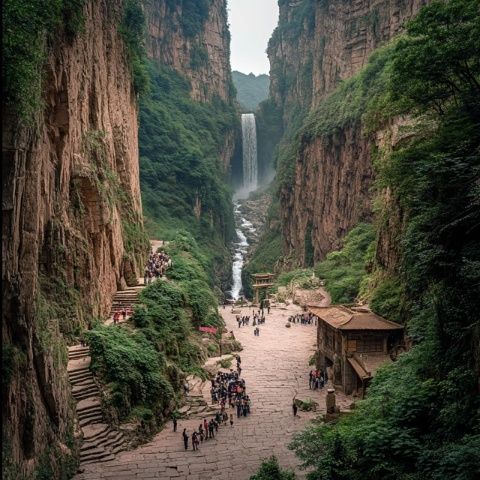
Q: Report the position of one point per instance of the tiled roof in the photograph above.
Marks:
(342, 318)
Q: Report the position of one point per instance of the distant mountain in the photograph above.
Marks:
(251, 90)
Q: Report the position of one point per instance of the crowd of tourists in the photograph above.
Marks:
(156, 266)
(257, 316)
(228, 391)
(307, 318)
(316, 379)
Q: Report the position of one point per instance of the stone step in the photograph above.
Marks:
(93, 405)
(78, 355)
(86, 392)
(90, 413)
(79, 381)
(97, 418)
(91, 456)
(90, 388)
(99, 430)
(84, 384)
(75, 372)
(96, 459)
(95, 414)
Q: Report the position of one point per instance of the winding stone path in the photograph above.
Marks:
(275, 367)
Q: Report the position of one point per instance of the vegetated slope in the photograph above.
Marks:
(72, 220)
(323, 180)
(146, 361)
(188, 124)
(421, 415)
(251, 89)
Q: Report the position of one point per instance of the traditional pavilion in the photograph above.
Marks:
(261, 281)
(353, 343)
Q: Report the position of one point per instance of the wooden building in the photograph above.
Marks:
(353, 344)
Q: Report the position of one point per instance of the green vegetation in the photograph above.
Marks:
(180, 171)
(421, 415)
(132, 30)
(271, 470)
(144, 363)
(30, 28)
(225, 362)
(194, 14)
(251, 89)
(344, 270)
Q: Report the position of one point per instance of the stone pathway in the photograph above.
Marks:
(100, 441)
(275, 367)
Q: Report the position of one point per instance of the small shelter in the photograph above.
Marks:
(261, 281)
(353, 344)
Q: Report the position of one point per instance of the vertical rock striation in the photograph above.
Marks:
(315, 46)
(71, 232)
(193, 38)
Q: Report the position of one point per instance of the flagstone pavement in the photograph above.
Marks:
(275, 368)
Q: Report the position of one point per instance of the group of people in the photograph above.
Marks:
(227, 388)
(316, 379)
(258, 319)
(304, 318)
(156, 266)
(122, 314)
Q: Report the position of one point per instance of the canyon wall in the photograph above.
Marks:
(315, 46)
(194, 40)
(72, 229)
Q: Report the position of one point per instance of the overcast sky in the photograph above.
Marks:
(251, 25)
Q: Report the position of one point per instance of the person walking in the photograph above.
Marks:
(231, 419)
(174, 420)
(294, 408)
(194, 441)
(205, 426)
(185, 438)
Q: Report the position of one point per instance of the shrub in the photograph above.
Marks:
(271, 470)
(344, 270)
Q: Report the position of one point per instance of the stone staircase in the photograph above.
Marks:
(196, 404)
(125, 298)
(100, 441)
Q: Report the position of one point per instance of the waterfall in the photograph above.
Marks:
(249, 142)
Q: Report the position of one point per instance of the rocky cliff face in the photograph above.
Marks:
(193, 38)
(71, 200)
(314, 48)
(199, 49)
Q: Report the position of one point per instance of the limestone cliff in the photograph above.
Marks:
(316, 45)
(71, 232)
(193, 38)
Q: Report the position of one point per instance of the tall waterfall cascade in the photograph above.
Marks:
(249, 143)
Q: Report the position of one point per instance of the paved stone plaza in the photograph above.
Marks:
(275, 367)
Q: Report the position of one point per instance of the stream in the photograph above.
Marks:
(242, 228)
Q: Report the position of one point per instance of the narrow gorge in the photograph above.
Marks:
(268, 231)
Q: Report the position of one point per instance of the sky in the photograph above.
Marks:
(251, 25)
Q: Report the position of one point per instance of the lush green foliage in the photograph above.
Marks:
(344, 270)
(145, 365)
(271, 470)
(29, 28)
(251, 89)
(194, 14)
(180, 171)
(421, 416)
(132, 30)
